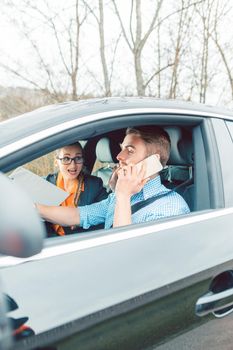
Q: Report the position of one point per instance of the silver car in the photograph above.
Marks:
(165, 284)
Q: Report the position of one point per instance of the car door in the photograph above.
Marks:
(132, 288)
(17, 218)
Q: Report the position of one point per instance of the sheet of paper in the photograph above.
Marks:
(38, 189)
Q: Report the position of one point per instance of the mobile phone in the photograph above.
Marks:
(152, 165)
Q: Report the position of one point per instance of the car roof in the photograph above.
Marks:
(49, 116)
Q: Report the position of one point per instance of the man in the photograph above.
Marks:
(130, 187)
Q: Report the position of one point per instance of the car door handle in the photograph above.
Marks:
(220, 304)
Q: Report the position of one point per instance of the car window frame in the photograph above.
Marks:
(202, 125)
(230, 128)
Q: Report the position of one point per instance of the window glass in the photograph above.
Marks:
(42, 166)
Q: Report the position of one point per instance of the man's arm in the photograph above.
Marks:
(128, 183)
(122, 213)
(65, 216)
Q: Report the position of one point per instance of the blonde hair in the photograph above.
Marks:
(77, 144)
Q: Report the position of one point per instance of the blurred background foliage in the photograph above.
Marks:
(56, 51)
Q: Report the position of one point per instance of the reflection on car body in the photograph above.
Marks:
(137, 286)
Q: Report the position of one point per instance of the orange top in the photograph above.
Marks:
(69, 201)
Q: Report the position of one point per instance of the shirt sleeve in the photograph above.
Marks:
(93, 214)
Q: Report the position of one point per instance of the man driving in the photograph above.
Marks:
(129, 187)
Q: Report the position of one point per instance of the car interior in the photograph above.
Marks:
(101, 144)
(178, 175)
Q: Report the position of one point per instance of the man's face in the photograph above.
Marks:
(133, 150)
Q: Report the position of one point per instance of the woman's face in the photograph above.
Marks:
(72, 170)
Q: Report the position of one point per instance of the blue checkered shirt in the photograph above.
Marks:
(103, 212)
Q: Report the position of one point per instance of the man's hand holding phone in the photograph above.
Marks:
(146, 168)
(130, 179)
(113, 179)
(151, 164)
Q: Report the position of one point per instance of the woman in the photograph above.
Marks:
(83, 188)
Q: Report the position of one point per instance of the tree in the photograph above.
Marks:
(63, 25)
(206, 12)
(137, 40)
(223, 49)
(179, 39)
(100, 22)
(79, 48)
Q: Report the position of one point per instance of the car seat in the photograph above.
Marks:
(180, 168)
(106, 152)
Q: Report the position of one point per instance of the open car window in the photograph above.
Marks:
(190, 163)
(42, 165)
(100, 158)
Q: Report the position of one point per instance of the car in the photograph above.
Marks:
(165, 284)
(16, 240)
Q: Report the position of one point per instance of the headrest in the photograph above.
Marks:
(181, 146)
(107, 150)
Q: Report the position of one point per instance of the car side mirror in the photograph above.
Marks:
(21, 229)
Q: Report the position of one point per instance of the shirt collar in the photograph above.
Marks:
(152, 187)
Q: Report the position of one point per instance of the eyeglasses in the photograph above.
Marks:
(68, 160)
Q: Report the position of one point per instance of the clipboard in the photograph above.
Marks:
(38, 189)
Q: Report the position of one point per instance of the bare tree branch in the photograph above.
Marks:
(157, 73)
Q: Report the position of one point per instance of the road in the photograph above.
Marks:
(204, 337)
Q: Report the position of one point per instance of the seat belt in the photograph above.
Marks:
(139, 205)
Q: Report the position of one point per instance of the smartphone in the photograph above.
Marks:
(153, 165)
